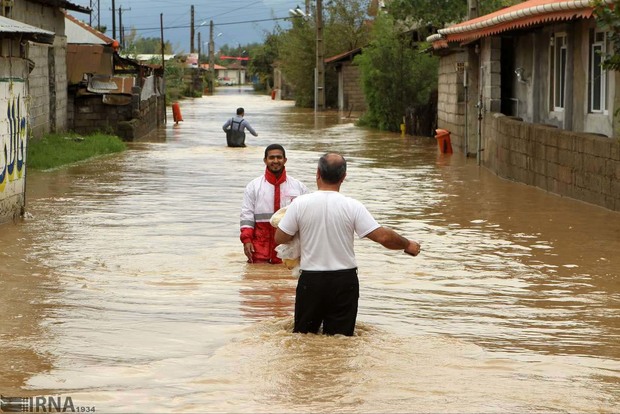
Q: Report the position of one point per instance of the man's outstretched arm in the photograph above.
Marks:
(389, 239)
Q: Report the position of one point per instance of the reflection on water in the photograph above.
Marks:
(267, 291)
(128, 289)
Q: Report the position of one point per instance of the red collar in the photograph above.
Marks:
(272, 179)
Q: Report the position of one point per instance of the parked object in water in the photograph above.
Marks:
(176, 113)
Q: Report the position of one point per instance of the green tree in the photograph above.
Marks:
(263, 58)
(345, 27)
(137, 45)
(297, 60)
(396, 75)
(608, 18)
(399, 79)
(439, 13)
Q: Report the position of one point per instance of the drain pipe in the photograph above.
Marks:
(466, 134)
(480, 106)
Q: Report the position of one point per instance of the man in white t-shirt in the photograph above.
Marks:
(328, 287)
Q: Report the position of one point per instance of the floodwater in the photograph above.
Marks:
(126, 287)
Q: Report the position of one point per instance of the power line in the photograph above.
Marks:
(186, 26)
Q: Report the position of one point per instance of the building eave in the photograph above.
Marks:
(519, 16)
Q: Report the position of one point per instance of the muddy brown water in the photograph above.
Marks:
(126, 288)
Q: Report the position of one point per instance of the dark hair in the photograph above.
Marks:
(240, 111)
(332, 167)
(271, 147)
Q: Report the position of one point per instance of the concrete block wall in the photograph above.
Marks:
(47, 81)
(354, 99)
(38, 85)
(578, 165)
(450, 113)
(60, 88)
(130, 122)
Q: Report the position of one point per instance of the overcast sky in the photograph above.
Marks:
(238, 21)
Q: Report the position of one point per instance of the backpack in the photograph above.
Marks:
(235, 137)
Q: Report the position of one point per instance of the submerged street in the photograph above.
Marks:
(126, 287)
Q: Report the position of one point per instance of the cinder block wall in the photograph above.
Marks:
(450, 113)
(352, 88)
(129, 122)
(48, 79)
(579, 165)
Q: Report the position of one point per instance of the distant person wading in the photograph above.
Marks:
(235, 129)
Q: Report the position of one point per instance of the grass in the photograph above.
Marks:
(57, 150)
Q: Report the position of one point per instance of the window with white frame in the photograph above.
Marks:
(597, 75)
(558, 56)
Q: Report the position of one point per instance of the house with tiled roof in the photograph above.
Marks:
(523, 91)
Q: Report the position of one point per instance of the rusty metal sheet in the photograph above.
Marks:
(119, 100)
(87, 59)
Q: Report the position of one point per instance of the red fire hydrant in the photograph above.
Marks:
(443, 141)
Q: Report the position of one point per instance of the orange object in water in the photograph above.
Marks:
(176, 112)
(443, 141)
(273, 94)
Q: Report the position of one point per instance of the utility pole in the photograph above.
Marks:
(113, 20)
(319, 101)
(121, 29)
(163, 47)
(198, 49)
(211, 58)
(94, 14)
(191, 32)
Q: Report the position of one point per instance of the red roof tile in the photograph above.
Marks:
(521, 15)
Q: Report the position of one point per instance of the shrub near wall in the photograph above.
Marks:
(582, 166)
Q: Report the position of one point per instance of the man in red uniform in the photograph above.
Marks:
(264, 196)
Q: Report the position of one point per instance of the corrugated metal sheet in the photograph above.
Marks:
(92, 59)
(344, 56)
(64, 4)
(9, 26)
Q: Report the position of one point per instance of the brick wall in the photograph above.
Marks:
(574, 164)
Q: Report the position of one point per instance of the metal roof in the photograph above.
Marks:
(64, 4)
(10, 27)
(344, 56)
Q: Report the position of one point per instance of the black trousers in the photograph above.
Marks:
(329, 298)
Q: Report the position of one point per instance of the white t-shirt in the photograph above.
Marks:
(326, 221)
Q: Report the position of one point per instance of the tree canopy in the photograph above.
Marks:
(396, 75)
(608, 18)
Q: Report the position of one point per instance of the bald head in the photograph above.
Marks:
(332, 168)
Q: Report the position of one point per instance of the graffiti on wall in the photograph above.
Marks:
(12, 131)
